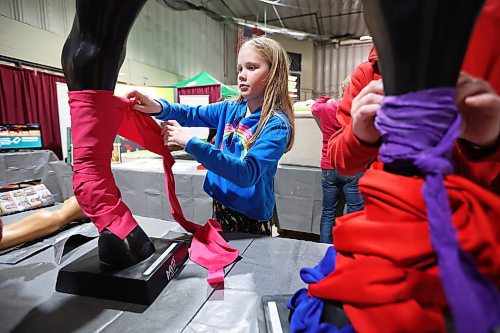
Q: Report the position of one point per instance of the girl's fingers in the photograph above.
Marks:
(140, 108)
(132, 94)
(166, 139)
(137, 96)
(141, 97)
(170, 142)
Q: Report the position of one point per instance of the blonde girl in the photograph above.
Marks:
(253, 133)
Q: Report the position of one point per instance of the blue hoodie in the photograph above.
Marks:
(239, 176)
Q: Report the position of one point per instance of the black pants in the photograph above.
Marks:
(233, 221)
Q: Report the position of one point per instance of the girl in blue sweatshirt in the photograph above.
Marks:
(253, 132)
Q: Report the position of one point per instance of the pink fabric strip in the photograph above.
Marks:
(215, 277)
(97, 116)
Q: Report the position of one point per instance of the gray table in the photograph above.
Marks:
(24, 166)
(142, 185)
(141, 182)
(299, 198)
(17, 167)
(29, 302)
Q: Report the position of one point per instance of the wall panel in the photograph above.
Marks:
(182, 43)
(334, 64)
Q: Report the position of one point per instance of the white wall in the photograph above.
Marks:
(136, 73)
(334, 64)
(164, 45)
(306, 49)
(22, 41)
(181, 42)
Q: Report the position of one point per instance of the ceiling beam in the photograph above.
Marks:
(228, 8)
(299, 16)
(341, 14)
(292, 17)
(319, 25)
(278, 16)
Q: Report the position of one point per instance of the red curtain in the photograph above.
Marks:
(212, 90)
(27, 96)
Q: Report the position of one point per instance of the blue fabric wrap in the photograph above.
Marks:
(307, 310)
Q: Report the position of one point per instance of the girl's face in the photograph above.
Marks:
(252, 74)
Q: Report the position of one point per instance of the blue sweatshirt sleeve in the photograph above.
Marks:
(245, 172)
(192, 116)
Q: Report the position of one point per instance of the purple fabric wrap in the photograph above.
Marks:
(418, 130)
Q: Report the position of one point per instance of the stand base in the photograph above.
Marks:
(139, 284)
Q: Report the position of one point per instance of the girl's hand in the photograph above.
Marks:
(480, 109)
(363, 111)
(174, 134)
(144, 103)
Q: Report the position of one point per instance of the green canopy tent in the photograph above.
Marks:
(206, 79)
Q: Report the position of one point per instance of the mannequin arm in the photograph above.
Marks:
(40, 223)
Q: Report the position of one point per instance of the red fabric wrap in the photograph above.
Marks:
(96, 117)
(386, 273)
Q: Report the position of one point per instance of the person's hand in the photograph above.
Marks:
(331, 100)
(363, 111)
(144, 103)
(174, 134)
(480, 109)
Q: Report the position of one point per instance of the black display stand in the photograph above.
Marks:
(139, 284)
(276, 313)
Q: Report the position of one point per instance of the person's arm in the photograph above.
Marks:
(189, 116)
(40, 224)
(319, 106)
(192, 116)
(318, 110)
(245, 172)
(347, 153)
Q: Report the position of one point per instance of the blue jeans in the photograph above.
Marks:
(333, 183)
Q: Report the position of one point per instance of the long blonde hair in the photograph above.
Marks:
(276, 97)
